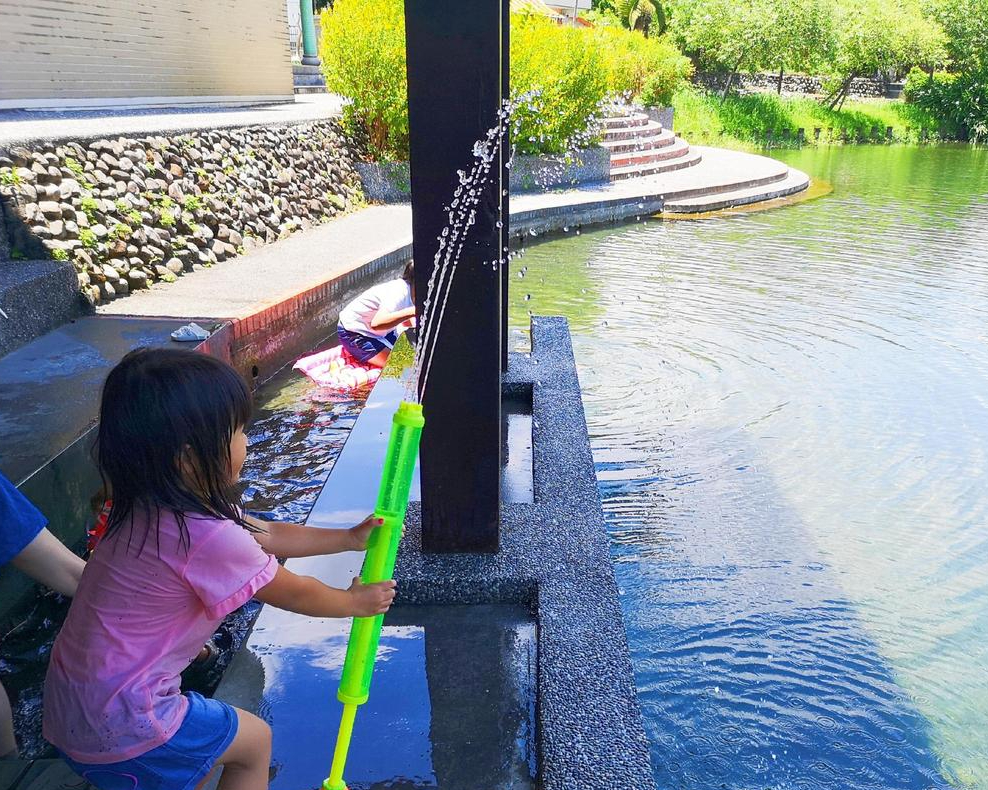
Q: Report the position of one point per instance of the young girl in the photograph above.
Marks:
(176, 558)
(370, 324)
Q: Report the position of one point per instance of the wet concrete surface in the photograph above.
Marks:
(517, 484)
(49, 388)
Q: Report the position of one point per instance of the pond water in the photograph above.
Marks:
(789, 416)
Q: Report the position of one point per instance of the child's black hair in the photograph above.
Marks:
(167, 414)
(409, 274)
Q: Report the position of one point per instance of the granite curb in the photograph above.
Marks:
(554, 557)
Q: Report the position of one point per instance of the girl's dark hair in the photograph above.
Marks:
(409, 274)
(161, 407)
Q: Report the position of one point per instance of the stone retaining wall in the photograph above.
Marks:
(131, 211)
(803, 84)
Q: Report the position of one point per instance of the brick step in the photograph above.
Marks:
(778, 186)
(649, 129)
(678, 148)
(632, 119)
(660, 140)
(652, 168)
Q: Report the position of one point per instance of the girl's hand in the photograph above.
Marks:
(371, 599)
(360, 534)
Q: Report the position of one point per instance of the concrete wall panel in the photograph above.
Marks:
(62, 53)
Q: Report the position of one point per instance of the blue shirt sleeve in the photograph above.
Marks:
(20, 521)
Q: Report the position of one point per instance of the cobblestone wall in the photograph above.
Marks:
(864, 87)
(131, 211)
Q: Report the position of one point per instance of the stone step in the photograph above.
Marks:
(676, 148)
(302, 68)
(789, 183)
(652, 168)
(632, 119)
(647, 129)
(894, 90)
(309, 79)
(305, 89)
(660, 140)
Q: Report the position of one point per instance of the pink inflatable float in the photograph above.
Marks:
(336, 368)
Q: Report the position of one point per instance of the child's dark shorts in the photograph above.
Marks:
(180, 763)
(364, 347)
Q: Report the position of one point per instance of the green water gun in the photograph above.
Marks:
(379, 566)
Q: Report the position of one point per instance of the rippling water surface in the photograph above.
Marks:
(789, 416)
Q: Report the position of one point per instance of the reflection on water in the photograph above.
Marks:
(789, 421)
(452, 704)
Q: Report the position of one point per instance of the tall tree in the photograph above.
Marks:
(799, 36)
(881, 36)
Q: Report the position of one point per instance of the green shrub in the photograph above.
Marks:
(59, 254)
(631, 61)
(744, 121)
(570, 69)
(959, 101)
(563, 65)
(363, 57)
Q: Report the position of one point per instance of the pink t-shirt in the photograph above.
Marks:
(138, 619)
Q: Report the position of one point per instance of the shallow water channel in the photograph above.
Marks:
(789, 420)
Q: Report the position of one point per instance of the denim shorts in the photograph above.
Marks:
(364, 347)
(180, 763)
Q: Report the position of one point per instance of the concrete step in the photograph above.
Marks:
(675, 149)
(301, 68)
(305, 89)
(647, 129)
(663, 138)
(728, 181)
(789, 184)
(309, 79)
(632, 119)
(652, 168)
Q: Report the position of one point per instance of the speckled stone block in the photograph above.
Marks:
(555, 558)
(35, 296)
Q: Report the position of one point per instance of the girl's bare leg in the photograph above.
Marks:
(247, 759)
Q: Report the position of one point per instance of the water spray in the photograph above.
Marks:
(406, 431)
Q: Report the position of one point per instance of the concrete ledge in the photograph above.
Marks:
(555, 556)
(36, 296)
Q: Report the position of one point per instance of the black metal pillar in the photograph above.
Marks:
(505, 178)
(455, 84)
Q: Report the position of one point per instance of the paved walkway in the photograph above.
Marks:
(245, 285)
(17, 126)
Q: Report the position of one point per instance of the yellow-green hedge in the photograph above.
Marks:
(570, 71)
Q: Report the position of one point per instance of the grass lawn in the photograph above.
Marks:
(743, 121)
